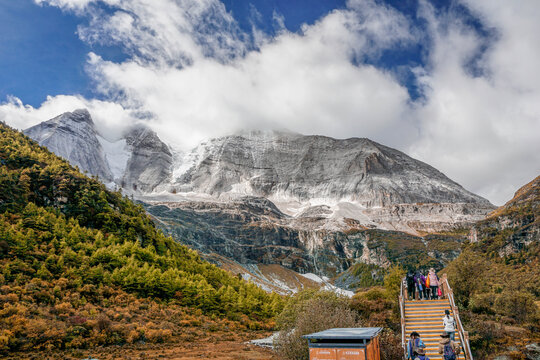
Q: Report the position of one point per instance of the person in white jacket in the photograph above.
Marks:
(449, 325)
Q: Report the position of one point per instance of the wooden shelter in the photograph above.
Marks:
(345, 344)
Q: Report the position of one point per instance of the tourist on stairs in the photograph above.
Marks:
(433, 283)
(410, 285)
(448, 348)
(415, 346)
(426, 287)
(420, 284)
(449, 325)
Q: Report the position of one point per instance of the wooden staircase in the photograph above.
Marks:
(426, 318)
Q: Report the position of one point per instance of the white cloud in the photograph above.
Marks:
(304, 82)
(110, 118)
(483, 130)
(75, 5)
(193, 73)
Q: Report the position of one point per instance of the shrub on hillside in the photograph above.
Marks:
(518, 305)
(392, 281)
(375, 308)
(310, 312)
(390, 343)
(70, 249)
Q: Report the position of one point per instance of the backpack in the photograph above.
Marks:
(417, 349)
(449, 353)
(410, 278)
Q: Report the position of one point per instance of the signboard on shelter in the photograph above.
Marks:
(322, 354)
(351, 354)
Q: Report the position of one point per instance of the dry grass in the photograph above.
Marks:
(197, 345)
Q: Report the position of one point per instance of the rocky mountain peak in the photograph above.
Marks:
(73, 136)
(150, 162)
(292, 167)
(143, 136)
(137, 161)
(79, 115)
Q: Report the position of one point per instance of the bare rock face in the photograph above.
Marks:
(253, 231)
(73, 136)
(427, 218)
(150, 162)
(139, 161)
(290, 166)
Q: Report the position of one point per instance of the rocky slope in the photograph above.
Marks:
(254, 231)
(504, 293)
(517, 223)
(138, 160)
(150, 162)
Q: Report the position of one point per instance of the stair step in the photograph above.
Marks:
(432, 337)
(412, 318)
(427, 303)
(436, 340)
(430, 313)
(424, 330)
(427, 313)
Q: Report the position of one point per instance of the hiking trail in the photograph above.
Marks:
(426, 318)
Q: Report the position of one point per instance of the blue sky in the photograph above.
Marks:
(453, 83)
(41, 53)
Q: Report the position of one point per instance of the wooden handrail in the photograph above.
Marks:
(402, 310)
(463, 335)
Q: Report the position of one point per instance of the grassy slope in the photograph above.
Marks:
(82, 266)
(495, 279)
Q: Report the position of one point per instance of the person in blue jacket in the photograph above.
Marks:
(420, 282)
(415, 346)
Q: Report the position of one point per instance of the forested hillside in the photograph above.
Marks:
(495, 279)
(81, 265)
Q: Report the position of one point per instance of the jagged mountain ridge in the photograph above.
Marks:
(280, 166)
(137, 161)
(303, 175)
(288, 166)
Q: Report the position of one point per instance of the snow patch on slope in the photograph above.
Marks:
(323, 280)
(117, 155)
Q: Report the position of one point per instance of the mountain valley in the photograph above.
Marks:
(310, 204)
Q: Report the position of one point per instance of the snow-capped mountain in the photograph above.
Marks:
(306, 203)
(139, 160)
(306, 177)
(150, 163)
(292, 167)
(73, 136)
